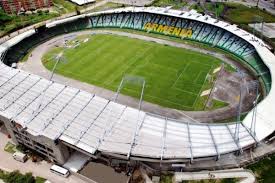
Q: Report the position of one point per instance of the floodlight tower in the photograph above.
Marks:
(255, 86)
(58, 57)
(239, 108)
(109, 126)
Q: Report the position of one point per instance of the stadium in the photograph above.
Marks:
(58, 120)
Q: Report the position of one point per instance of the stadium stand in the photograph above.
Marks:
(200, 32)
(18, 51)
(91, 124)
(168, 25)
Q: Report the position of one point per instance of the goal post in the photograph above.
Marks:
(133, 80)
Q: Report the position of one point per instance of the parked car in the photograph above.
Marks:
(60, 171)
(18, 156)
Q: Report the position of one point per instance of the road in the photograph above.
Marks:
(244, 176)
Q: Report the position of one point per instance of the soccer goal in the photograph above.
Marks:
(136, 82)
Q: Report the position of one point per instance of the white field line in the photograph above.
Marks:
(169, 101)
(187, 65)
(202, 86)
(129, 65)
(173, 84)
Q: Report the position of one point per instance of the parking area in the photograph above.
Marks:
(103, 174)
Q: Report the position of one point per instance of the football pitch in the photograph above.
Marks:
(175, 77)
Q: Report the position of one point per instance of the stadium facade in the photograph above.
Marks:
(56, 120)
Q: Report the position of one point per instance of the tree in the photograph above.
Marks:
(4, 17)
(17, 177)
(28, 178)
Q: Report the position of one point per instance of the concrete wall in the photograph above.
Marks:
(60, 152)
(9, 128)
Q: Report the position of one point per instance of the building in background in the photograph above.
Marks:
(14, 6)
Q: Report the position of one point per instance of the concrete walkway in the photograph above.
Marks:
(245, 176)
(35, 66)
(42, 169)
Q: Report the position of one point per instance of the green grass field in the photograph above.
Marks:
(174, 76)
(241, 14)
(176, 4)
(234, 12)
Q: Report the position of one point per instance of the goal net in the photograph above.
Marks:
(132, 85)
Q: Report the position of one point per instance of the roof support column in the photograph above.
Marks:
(7, 92)
(17, 97)
(109, 127)
(190, 143)
(252, 135)
(138, 127)
(236, 142)
(70, 122)
(91, 124)
(21, 109)
(163, 139)
(53, 117)
(214, 142)
(39, 108)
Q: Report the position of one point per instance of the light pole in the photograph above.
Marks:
(58, 58)
(257, 5)
(239, 109)
(255, 86)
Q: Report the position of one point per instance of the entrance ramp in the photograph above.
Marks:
(76, 162)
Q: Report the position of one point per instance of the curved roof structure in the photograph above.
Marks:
(92, 123)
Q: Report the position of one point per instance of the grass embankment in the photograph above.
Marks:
(63, 6)
(264, 169)
(10, 23)
(176, 4)
(107, 6)
(241, 14)
(234, 12)
(238, 14)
